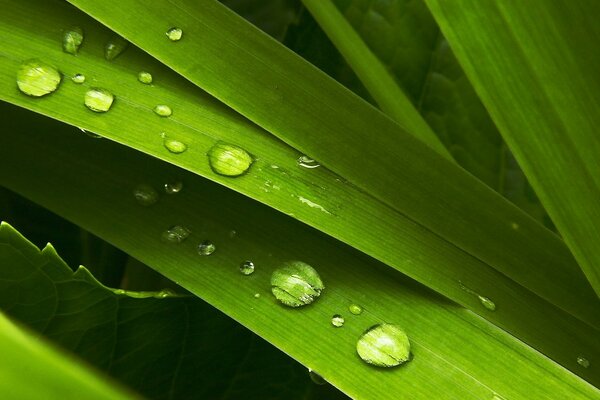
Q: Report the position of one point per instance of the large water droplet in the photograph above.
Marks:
(206, 248)
(78, 78)
(176, 234)
(72, 39)
(355, 309)
(247, 267)
(307, 162)
(316, 378)
(145, 77)
(114, 47)
(296, 284)
(384, 345)
(174, 187)
(337, 320)
(174, 34)
(163, 110)
(99, 100)
(145, 194)
(584, 362)
(37, 78)
(487, 303)
(229, 160)
(174, 146)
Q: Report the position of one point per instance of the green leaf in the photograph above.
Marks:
(456, 353)
(534, 65)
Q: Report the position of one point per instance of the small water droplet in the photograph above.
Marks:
(337, 320)
(36, 78)
(247, 267)
(174, 146)
(145, 194)
(114, 47)
(90, 134)
(78, 78)
(165, 293)
(206, 248)
(176, 234)
(584, 362)
(487, 303)
(355, 309)
(174, 34)
(316, 378)
(296, 284)
(256, 295)
(174, 187)
(72, 39)
(119, 291)
(145, 77)
(163, 110)
(232, 233)
(99, 100)
(384, 345)
(229, 160)
(307, 162)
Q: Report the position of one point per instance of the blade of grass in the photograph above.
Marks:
(535, 66)
(456, 353)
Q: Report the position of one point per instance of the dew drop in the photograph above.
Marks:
(296, 284)
(355, 309)
(145, 194)
(72, 39)
(247, 267)
(78, 78)
(99, 100)
(316, 378)
(487, 303)
(163, 110)
(307, 162)
(165, 293)
(145, 77)
(90, 134)
(119, 291)
(114, 47)
(174, 34)
(256, 295)
(206, 248)
(174, 187)
(229, 160)
(584, 362)
(36, 78)
(176, 234)
(174, 146)
(384, 345)
(337, 320)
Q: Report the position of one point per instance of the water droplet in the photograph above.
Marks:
(229, 160)
(36, 78)
(163, 110)
(316, 378)
(119, 291)
(174, 34)
(296, 284)
(174, 146)
(145, 194)
(72, 39)
(337, 320)
(145, 77)
(165, 293)
(78, 78)
(307, 162)
(384, 345)
(487, 303)
(174, 187)
(584, 362)
(355, 309)
(232, 233)
(206, 248)
(247, 267)
(99, 100)
(114, 47)
(176, 234)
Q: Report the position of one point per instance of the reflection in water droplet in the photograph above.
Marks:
(384, 345)
(72, 39)
(316, 378)
(229, 160)
(163, 110)
(206, 248)
(337, 320)
(145, 77)
(145, 194)
(174, 187)
(307, 162)
(296, 284)
(99, 100)
(247, 267)
(355, 309)
(78, 78)
(36, 78)
(174, 146)
(114, 47)
(487, 303)
(584, 362)
(176, 234)
(174, 34)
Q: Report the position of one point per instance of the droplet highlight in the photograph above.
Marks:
(355, 309)
(36, 78)
(296, 284)
(145, 77)
(174, 146)
(384, 345)
(487, 303)
(99, 100)
(72, 40)
(337, 320)
(173, 187)
(78, 78)
(206, 248)
(247, 268)
(307, 162)
(114, 47)
(584, 362)
(145, 195)
(163, 110)
(176, 234)
(174, 34)
(229, 160)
